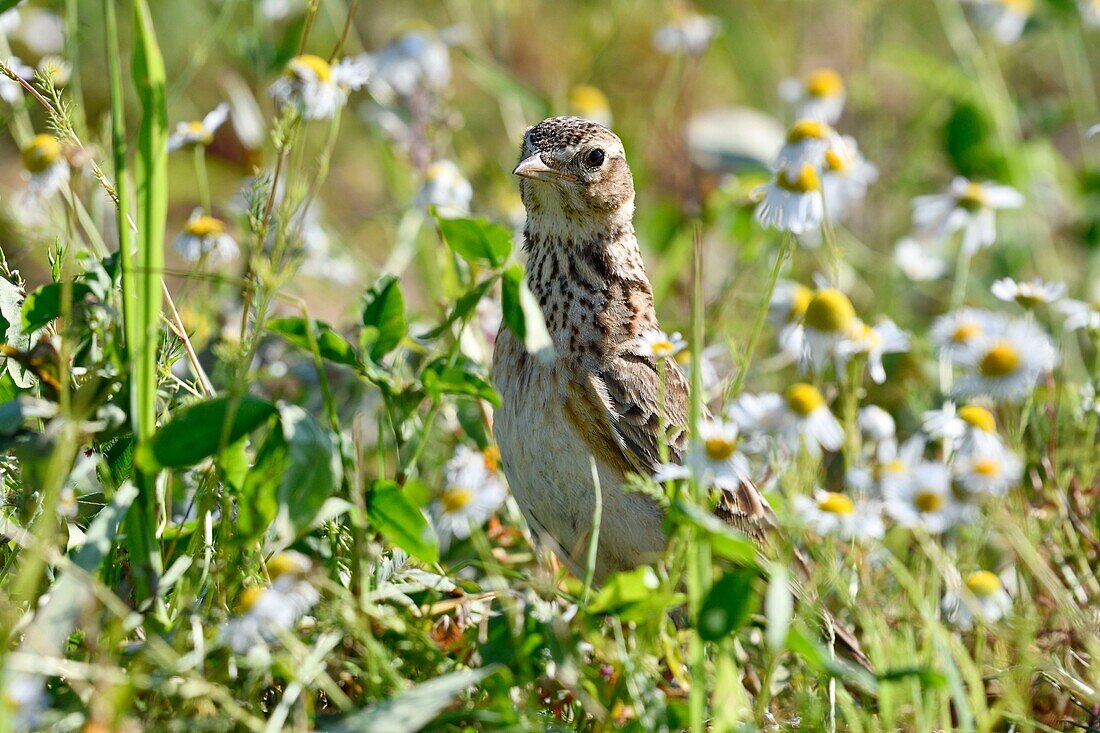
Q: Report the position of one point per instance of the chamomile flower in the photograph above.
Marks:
(714, 456)
(1005, 364)
(317, 88)
(808, 142)
(967, 206)
(1092, 131)
(23, 697)
(831, 513)
(991, 472)
(198, 132)
(1003, 20)
(658, 344)
(446, 189)
(876, 424)
(687, 33)
(830, 320)
(472, 494)
(41, 31)
(787, 309)
(275, 10)
(874, 342)
(416, 62)
(205, 236)
(45, 167)
(894, 464)
(792, 201)
(11, 91)
(846, 176)
(263, 612)
(798, 418)
(924, 499)
(818, 95)
(1090, 399)
(980, 597)
(589, 102)
(917, 261)
(1027, 294)
(1090, 12)
(56, 69)
(971, 428)
(709, 364)
(1080, 315)
(958, 331)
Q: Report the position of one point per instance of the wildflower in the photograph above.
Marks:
(1090, 14)
(808, 142)
(876, 423)
(263, 612)
(1080, 314)
(1027, 294)
(819, 95)
(734, 139)
(845, 179)
(45, 167)
(198, 132)
(799, 417)
(56, 69)
(967, 206)
(708, 367)
(792, 202)
(830, 513)
(991, 472)
(1006, 363)
(916, 261)
(1090, 399)
(788, 307)
(11, 91)
(1092, 131)
(954, 333)
(830, 320)
(317, 88)
(23, 697)
(924, 499)
(205, 236)
(874, 341)
(984, 599)
(41, 31)
(472, 494)
(659, 345)
(973, 426)
(416, 62)
(274, 10)
(587, 101)
(1003, 20)
(666, 472)
(714, 456)
(446, 190)
(688, 33)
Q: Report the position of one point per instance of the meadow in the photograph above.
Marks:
(254, 257)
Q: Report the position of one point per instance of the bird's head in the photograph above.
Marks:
(574, 168)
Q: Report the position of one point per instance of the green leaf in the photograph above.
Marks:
(311, 473)
(44, 304)
(813, 654)
(401, 522)
(725, 541)
(624, 589)
(462, 308)
(383, 317)
(202, 429)
(778, 608)
(523, 316)
(11, 318)
(478, 241)
(410, 711)
(331, 346)
(6, 5)
(457, 380)
(728, 606)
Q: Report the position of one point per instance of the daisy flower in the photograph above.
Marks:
(984, 599)
(1090, 399)
(876, 424)
(1092, 131)
(23, 696)
(11, 91)
(925, 499)
(589, 102)
(317, 88)
(1090, 14)
(472, 494)
(792, 202)
(819, 95)
(801, 418)
(1027, 294)
(446, 189)
(917, 262)
(205, 236)
(830, 513)
(874, 341)
(658, 344)
(45, 167)
(416, 62)
(973, 426)
(958, 331)
(808, 141)
(1080, 314)
(894, 464)
(714, 456)
(264, 611)
(688, 33)
(845, 179)
(830, 320)
(787, 309)
(1003, 20)
(967, 206)
(708, 364)
(56, 69)
(991, 472)
(1006, 363)
(198, 132)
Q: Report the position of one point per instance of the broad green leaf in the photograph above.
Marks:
(478, 241)
(201, 429)
(459, 381)
(11, 318)
(383, 317)
(410, 711)
(624, 589)
(462, 308)
(523, 315)
(331, 346)
(6, 5)
(728, 606)
(725, 541)
(44, 304)
(778, 607)
(311, 473)
(401, 522)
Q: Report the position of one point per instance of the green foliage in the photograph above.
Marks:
(399, 520)
(202, 429)
(478, 241)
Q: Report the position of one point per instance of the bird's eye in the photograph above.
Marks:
(594, 158)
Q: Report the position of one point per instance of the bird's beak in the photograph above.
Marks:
(534, 167)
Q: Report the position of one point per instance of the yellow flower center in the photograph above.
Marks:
(1024, 7)
(309, 65)
(286, 563)
(928, 501)
(800, 301)
(718, 449)
(894, 466)
(978, 417)
(965, 332)
(824, 83)
(249, 597)
(838, 161)
(587, 101)
(983, 583)
(806, 181)
(836, 504)
(205, 226)
(199, 132)
(808, 130)
(803, 399)
(987, 467)
(492, 458)
(973, 198)
(683, 357)
(829, 311)
(1000, 361)
(662, 347)
(456, 498)
(41, 153)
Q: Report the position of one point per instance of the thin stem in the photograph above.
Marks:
(761, 316)
(201, 179)
(962, 275)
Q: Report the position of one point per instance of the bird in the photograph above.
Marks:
(593, 416)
